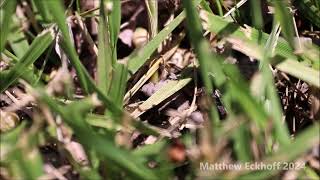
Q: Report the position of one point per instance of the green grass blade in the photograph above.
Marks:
(256, 12)
(114, 20)
(43, 9)
(13, 58)
(119, 82)
(281, 132)
(103, 121)
(17, 39)
(28, 75)
(152, 149)
(140, 57)
(241, 138)
(283, 15)
(240, 92)
(205, 5)
(38, 46)
(104, 63)
(6, 11)
(219, 6)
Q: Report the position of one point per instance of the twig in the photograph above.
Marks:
(239, 4)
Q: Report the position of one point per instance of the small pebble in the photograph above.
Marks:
(197, 117)
(150, 88)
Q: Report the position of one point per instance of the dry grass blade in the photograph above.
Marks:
(239, 4)
(152, 7)
(167, 90)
